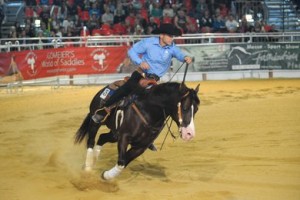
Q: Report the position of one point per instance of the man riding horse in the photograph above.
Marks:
(153, 57)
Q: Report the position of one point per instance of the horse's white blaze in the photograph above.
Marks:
(113, 172)
(188, 133)
(89, 161)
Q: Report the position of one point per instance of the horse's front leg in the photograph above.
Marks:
(130, 155)
(118, 168)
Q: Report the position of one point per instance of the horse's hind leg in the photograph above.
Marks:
(103, 138)
(90, 157)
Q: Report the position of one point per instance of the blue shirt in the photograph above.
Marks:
(158, 57)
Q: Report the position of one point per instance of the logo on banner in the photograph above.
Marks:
(30, 59)
(99, 57)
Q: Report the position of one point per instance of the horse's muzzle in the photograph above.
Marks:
(188, 133)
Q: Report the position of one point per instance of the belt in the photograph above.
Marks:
(148, 75)
(152, 76)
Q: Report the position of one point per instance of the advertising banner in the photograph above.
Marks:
(62, 61)
(264, 56)
(246, 56)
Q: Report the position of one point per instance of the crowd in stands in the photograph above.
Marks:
(125, 17)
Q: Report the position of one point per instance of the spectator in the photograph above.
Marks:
(257, 28)
(273, 30)
(72, 10)
(152, 25)
(111, 5)
(244, 26)
(119, 14)
(62, 12)
(181, 20)
(223, 10)
(200, 8)
(130, 22)
(168, 11)
(66, 23)
(18, 28)
(156, 11)
(206, 22)
(94, 10)
(136, 4)
(93, 22)
(218, 22)
(107, 17)
(44, 30)
(12, 32)
(141, 21)
(45, 14)
(231, 24)
(29, 30)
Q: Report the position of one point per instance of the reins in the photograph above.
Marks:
(168, 118)
(178, 105)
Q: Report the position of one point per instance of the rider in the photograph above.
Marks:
(153, 56)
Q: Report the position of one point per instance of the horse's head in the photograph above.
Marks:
(186, 110)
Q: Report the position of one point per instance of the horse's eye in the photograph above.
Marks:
(185, 108)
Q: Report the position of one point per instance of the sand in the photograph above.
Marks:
(247, 147)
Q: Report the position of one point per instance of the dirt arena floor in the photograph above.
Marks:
(247, 147)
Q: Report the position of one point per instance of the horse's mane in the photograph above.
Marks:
(165, 92)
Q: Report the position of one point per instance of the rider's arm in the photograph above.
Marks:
(135, 51)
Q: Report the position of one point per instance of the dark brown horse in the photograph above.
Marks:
(139, 123)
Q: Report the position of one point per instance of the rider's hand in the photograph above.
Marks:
(144, 65)
(188, 59)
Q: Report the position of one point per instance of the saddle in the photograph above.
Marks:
(110, 89)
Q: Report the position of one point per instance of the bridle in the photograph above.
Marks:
(179, 108)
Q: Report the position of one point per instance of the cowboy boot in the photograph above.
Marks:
(101, 115)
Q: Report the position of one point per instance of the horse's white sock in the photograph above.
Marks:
(113, 172)
(97, 151)
(89, 159)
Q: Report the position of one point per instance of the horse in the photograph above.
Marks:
(139, 123)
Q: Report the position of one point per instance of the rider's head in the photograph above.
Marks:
(166, 33)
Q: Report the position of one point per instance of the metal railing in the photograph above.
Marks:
(19, 44)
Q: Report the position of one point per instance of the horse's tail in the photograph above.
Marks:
(83, 130)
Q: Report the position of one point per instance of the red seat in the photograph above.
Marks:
(29, 12)
(106, 32)
(219, 40)
(105, 26)
(96, 32)
(119, 29)
(156, 20)
(85, 15)
(144, 14)
(167, 20)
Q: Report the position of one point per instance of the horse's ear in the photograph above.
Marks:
(197, 88)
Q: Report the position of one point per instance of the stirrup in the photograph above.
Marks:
(101, 117)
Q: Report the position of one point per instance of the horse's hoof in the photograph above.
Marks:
(87, 168)
(103, 176)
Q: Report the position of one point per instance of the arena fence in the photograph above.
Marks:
(203, 43)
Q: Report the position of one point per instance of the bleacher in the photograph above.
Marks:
(14, 12)
(283, 14)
